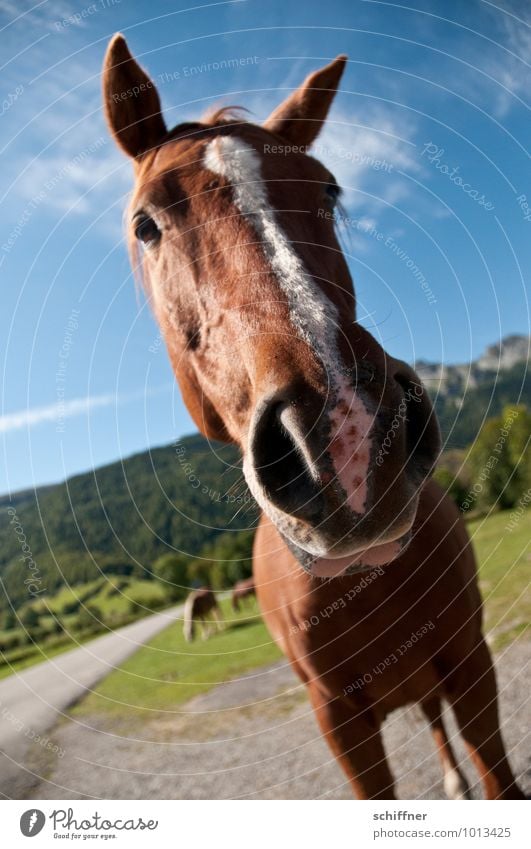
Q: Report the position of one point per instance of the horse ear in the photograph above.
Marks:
(131, 100)
(300, 117)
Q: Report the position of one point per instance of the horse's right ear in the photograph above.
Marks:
(131, 101)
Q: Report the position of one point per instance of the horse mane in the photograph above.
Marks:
(223, 116)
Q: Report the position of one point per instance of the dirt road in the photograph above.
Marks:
(257, 738)
(32, 701)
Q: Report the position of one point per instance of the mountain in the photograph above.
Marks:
(465, 395)
(119, 518)
(453, 380)
(506, 354)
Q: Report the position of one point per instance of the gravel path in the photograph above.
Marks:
(255, 738)
(33, 700)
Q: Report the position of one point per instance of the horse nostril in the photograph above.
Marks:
(280, 466)
(423, 441)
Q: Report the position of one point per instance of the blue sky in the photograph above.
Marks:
(427, 137)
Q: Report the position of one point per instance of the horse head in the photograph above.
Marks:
(232, 225)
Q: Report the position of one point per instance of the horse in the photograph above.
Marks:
(364, 571)
(201, 606)
(242, 590)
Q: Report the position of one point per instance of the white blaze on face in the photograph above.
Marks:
(313, 315)
(350, 446)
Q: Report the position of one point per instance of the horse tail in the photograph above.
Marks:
(188, 626)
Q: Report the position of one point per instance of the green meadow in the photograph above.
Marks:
(168, 671)
(111, 601)
(504, 558)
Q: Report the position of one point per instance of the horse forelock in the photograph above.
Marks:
(225, 119)
(230, 155)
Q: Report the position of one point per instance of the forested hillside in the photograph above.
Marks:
(121, 517)
(462, 412)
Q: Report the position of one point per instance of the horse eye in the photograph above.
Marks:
(332, 193)
(147, 231)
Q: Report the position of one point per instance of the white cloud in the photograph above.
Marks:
(497, 72)
(77, 180)
(61, 410)
(512, 71)
(366, 153)
(55, 135)
(53, 412)
(46, 13)
(360, 143)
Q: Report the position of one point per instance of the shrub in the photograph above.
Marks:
(89, 618)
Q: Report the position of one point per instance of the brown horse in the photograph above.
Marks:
(201, 606)
(233, 224)
(241, 590)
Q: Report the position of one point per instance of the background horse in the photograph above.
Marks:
(233, 226)
(242, 590)
(201, 606)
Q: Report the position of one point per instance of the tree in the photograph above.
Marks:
(29, 617)
(135, 608)
(519, 450)
(10, 620)
(498, 458)
(231, 558)
(200, 572)
(453, 485)
(172, 570)
(89, 618)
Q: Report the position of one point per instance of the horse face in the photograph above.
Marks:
(256, 305)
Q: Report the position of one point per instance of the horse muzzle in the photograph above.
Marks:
(340, 473)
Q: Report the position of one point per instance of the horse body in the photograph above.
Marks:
(242, 589)
(338, 630)
(369, 643)
(200, 606)
(363, 568)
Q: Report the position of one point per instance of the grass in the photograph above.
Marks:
(112, 602)
(69, 595)
(504, 557)
(41, 653)
(168, 671)
(112, 596)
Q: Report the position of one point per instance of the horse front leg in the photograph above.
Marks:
(356, 742)
(216, 613)
(455, 783)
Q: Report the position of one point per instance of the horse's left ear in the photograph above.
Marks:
(131, 101)
(300, 117)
